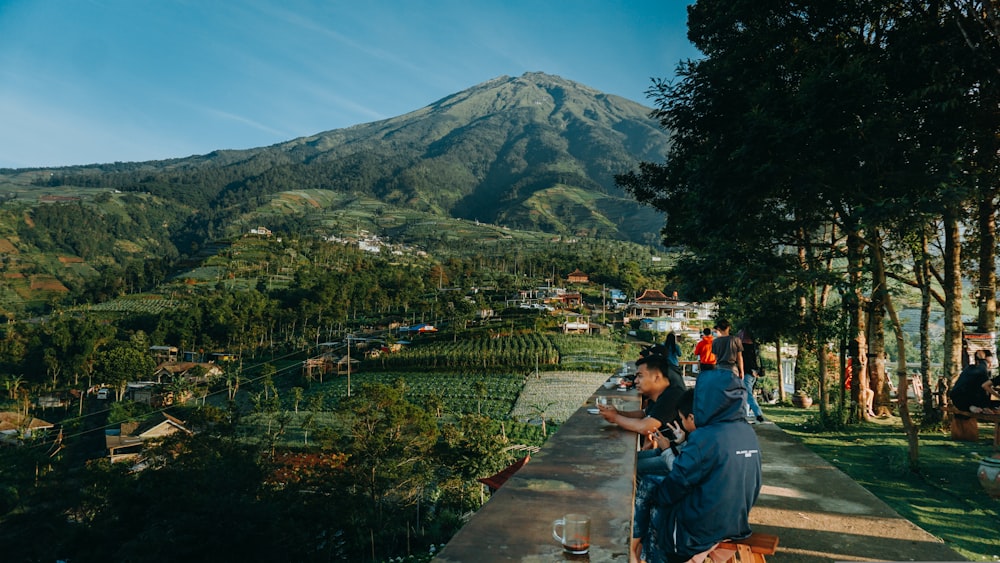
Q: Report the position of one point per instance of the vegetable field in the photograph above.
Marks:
(459, 391)
(557, 394)
(512, 352)
(507, 352)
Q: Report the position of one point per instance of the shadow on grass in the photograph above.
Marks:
(944, 497)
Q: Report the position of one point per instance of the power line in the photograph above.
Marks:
(250, 382)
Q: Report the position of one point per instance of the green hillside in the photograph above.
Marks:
(534, 153)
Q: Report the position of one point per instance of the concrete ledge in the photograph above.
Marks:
(586, 467)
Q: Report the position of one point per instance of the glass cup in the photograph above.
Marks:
(601, 401)
(575, 533)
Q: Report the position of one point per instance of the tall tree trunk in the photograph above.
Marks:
(820, 300)
(902, 386)
(877, 381)
(857, 346)
(952, 295)
(923, 270)
(821, 368)
(987, 289)
(806, 297)
(781, 371)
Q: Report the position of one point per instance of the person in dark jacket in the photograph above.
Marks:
(974, 390)
(715, 480)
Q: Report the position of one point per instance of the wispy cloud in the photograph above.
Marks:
(367, 50)
(229, 116)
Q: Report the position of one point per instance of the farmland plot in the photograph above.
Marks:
(567, 391)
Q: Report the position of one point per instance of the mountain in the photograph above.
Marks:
(530, 153)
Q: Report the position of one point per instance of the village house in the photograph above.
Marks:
(327, 363)
(576, 276)
(317, 367)
(16, 427)
(128, 441)
(662, 324)
(347, 365)
(570, 299)
(653, 304)
(164, 353)
(198, 373)
(153, 394)
(576, 324)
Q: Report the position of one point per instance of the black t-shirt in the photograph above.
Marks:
(726, 350)
(664, 408)
(969, 390)
(750, 361)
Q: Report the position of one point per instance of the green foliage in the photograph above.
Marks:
(508, 352)
(127, 411)
(414, 437)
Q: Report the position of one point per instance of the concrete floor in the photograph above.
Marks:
(820, 514)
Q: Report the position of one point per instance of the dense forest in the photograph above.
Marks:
(298, 465)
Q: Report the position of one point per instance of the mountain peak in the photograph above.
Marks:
(536, 151)
(546, 95)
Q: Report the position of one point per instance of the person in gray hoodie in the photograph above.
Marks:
(715, 480)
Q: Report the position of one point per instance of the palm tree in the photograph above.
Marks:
(13, 385)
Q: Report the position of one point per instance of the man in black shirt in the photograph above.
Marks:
(652, 382)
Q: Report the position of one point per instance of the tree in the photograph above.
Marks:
(123, 363)
(389, 442)
(820, 127)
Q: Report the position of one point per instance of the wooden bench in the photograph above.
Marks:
(967, 429)
(747, 550)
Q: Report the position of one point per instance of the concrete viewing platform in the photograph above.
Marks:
(818, 512)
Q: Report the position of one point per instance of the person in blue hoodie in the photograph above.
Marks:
(715, 480)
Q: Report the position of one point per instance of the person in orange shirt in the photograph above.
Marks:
(703, 349)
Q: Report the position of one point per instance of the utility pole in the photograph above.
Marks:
(604, 303)
(348, 365)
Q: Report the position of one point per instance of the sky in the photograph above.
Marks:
(100, 81)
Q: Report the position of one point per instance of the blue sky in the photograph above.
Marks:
(94, 81)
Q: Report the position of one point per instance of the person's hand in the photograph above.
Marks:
(609, 413)
(659, 439)
(679, 434)
(650, 441)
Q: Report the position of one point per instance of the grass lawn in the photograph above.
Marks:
(944, 498)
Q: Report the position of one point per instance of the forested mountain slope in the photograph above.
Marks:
(534, 152)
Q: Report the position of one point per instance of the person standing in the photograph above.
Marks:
(672, 350)
(703, 349)
(751, 371)
(728, 349)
